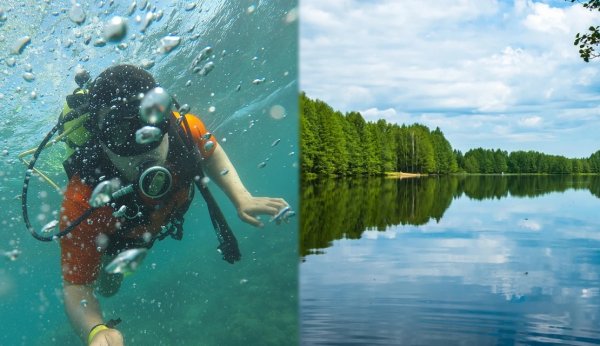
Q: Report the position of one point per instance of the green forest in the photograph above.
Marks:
(339, 144)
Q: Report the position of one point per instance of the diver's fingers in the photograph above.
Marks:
(278, 201)
(251, 219)
(273, 202)
(262, 209)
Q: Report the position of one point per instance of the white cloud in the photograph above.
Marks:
(451, 62)
(356, 93)
(586, 76)
(552, 20)
(390, 115)
(546, 19)
(320, 18)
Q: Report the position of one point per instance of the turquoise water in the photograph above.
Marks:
(184, 293)
(451, 261)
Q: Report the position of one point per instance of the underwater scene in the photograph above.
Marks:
(235, 64)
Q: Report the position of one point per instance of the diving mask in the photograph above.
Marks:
(138, 125)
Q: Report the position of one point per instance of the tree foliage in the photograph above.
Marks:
(339, 144)
(527, 162)
(588, 42)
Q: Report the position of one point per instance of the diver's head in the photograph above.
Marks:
(115, 98)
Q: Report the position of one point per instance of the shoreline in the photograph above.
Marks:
(402, 175)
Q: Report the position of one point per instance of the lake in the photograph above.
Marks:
(462, 260)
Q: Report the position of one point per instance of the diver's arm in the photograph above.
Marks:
(84, 317)
(248, 207)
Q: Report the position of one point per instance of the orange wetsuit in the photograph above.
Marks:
(82, 249)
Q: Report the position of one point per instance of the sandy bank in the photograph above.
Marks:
(401, 175)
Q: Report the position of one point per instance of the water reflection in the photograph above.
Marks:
(457, 260)
(337, 209)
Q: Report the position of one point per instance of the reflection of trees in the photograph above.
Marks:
(335, 209)
(594, 185)
(484, 186)
(490, 186)
(344, 208)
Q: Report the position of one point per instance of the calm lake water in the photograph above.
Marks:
(452, 261)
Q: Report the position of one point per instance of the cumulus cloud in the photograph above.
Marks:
(503, 68)
(546, 19)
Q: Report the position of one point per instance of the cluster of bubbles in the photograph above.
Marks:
(115, 30)
(205, 53)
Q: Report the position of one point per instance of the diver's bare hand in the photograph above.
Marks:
(108, 337)
(251, 207)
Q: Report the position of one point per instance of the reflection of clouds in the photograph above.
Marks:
(501, 215)
(530, 225)
(390, 233)
(535, 259)
(514, 285)
(589, 292)
(547, 325)
(580, 319)
(588, 232)
(477, 250)
(392, 260)
(589, 272)
(489, 258)
(370, 234)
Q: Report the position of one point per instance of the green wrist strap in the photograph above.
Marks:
(95, 330)
(100, 327)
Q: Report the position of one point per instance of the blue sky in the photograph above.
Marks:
(491, 74)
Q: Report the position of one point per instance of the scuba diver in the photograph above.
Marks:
(133, 167)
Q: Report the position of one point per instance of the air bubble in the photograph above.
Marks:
(77, 14)
(20, 45)
(277, 112)
(115, 29)
(168, 43)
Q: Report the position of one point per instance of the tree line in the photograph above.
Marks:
(333, 143)
(339, 144)
(498, 161)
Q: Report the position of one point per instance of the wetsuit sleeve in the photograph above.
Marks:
(199, 134)
(80, 259)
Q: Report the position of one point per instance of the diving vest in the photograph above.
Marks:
(88, 160)
(78, 133)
